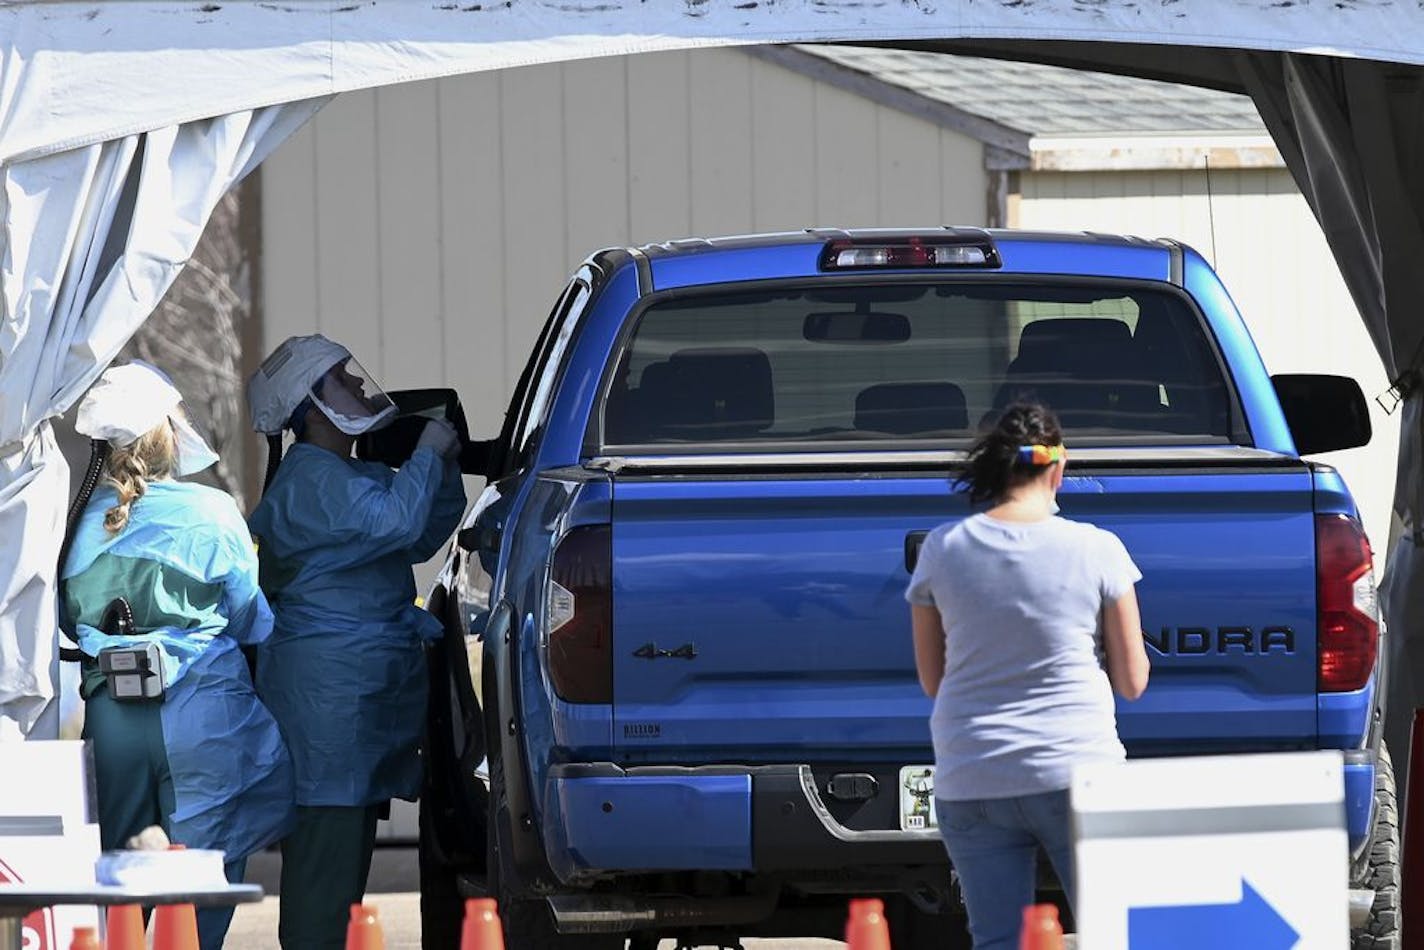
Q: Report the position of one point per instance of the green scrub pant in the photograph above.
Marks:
(135, 787)
(325, 861)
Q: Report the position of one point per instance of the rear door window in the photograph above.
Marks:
(922, 363)
(524, 418)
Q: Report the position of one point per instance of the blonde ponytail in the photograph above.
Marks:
(132, 467)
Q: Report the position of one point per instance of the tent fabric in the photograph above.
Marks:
(77, 73)
(93, 238)
(1352, 134)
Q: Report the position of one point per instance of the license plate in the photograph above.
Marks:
(917, 806)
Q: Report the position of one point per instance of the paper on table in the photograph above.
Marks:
(161, 870)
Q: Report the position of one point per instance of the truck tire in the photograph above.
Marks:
(528, 922)
(441, 906)
(1378, 869)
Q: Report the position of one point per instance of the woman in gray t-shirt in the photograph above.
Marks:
(1024, 625)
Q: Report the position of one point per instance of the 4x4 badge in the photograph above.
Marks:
(651, 651)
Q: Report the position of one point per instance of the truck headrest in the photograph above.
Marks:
(906, 408)
(710, 393)
(1048, 344)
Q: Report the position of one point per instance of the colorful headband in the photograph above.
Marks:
(1041, 454)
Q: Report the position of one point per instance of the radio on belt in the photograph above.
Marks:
(134, 673)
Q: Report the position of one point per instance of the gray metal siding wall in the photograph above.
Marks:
(431, 225)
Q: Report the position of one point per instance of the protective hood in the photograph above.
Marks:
(131, 400)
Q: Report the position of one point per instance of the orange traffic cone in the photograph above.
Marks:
(482, 930)
(865, 927)
(85, 939)
(175, 927)
(1041, 929)
(364, 931)
(125, 928)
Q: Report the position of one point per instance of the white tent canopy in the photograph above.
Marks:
(1339, 84)
(79, 73)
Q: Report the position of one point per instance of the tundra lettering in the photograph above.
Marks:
(1199, 641)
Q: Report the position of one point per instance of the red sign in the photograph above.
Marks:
(37, 930)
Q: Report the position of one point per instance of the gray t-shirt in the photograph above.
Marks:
(1025, 695)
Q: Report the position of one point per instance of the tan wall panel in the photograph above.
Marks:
(908, 177)
(347, 250)
(964, 198)
(1273, 259)
(847, 159)
(472, 248)
(532, 139)
(720, 159)
(595, 209)
(783, 149)
(658, 149)
(289, 235)
(408, 234)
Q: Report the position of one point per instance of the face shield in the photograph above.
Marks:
(348, 396)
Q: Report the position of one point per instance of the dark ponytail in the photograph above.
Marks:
(994, 464)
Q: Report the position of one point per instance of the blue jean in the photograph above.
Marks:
(214, 921)
(993, 844)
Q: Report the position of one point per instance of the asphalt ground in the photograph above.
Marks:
(393, 889)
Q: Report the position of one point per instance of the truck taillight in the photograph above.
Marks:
(579, 616)
(1347, 607)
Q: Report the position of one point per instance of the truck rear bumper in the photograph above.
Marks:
(613, 819)
(732, 818)
(1359, 797)
(606, 818)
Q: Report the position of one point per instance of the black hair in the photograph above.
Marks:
(297, 422)
(994, 463)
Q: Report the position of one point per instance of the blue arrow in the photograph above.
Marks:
(1250, 924)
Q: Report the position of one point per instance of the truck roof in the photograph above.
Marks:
(819, 236)
(797, 254)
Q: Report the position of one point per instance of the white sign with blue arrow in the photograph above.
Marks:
(1225, 852)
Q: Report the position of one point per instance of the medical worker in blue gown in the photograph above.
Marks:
(344, 671)
(205, 761)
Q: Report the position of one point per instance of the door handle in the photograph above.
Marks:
(479, 537)
(913, 541)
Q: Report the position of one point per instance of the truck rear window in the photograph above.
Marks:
(897, 363)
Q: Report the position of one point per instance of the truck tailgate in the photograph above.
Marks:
(753, 615)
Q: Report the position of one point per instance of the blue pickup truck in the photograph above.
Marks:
(674, 620)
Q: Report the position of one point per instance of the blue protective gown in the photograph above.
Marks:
(185, 563)
(344, 671)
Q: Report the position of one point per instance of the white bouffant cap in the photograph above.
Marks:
(125, 403)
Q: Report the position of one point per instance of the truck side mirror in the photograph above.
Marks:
(394, 444)
(1324, 412)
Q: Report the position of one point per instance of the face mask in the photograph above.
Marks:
(194, 453)
(341, 395)
(1053, 508)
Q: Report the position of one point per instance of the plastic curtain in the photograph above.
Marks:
(92, 239)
